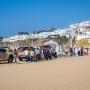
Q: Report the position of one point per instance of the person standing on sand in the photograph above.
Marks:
(37, 52)
(76, 51)
(66, 51)
(26, 53)
(82, 51)
(50, 53)
(15, 55)
(42, 55)
(79, 51)
(32, 53)
(71, 51)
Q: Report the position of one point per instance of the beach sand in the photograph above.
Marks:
(71, 73)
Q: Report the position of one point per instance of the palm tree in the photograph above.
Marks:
(1, 38)
(1, 41)
(23, 33)
(34, 32)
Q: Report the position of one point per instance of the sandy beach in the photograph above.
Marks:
(60, 74)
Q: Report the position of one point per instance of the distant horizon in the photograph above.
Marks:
(34, 15)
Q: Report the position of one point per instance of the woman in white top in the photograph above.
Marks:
(26, 53)
(76, 51)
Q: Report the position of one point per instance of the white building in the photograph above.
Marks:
(80, 30)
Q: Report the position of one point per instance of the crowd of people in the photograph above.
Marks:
(36, 54)
(74, 51)
(48, 54)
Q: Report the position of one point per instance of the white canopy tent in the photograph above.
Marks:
(54, 45)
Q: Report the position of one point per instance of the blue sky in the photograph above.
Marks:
(30, 15)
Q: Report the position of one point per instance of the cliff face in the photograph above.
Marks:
(85, 42)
